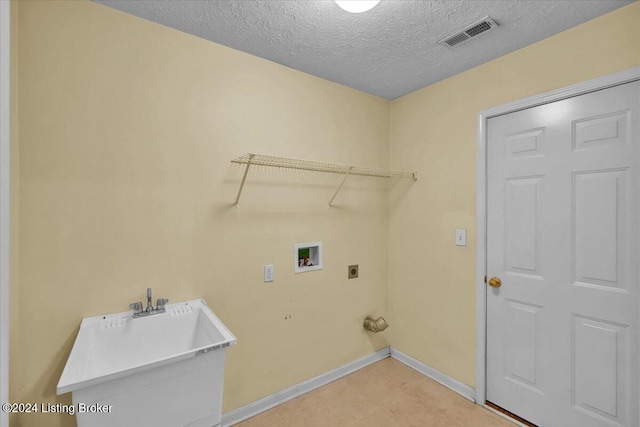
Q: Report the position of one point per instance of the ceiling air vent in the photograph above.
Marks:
(473, 30)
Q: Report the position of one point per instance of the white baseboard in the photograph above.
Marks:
(252, 409)
(237, 415)
(444, 379)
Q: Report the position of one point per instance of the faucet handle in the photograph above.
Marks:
(161, 302)
(136, 307)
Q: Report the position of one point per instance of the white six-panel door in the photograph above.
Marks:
(563, 231)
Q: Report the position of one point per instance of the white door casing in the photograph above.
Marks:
(562, 233)
(4, 206)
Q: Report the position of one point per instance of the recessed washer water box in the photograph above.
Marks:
(307, 257)
(164, 370)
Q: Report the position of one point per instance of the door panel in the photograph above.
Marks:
(521, 225)
(599, 200)
(520, 343)
(598, 132)
(602, 345)
(562, 234)
(529, 143)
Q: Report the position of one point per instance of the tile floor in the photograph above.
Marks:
(385, 394)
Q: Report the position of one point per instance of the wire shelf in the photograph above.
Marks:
(311, 165)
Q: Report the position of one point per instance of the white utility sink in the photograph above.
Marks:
(162, 370)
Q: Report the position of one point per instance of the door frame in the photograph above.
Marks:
(5, 34)
(599, 83)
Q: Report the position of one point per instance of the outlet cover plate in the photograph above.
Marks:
(353, 271)
(268, 273)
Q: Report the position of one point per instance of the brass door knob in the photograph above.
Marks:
(495, 282)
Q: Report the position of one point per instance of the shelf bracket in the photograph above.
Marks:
(244, 178)
(341, 184)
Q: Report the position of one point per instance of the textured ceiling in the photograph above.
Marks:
(388, 51)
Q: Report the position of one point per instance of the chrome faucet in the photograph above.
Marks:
(149, 306)
(139, 312)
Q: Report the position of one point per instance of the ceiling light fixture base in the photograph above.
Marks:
(357, 6)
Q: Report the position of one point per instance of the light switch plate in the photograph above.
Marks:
(461, 237)
(268, 273)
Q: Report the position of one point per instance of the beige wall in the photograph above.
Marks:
(126, 132)
(431, 281)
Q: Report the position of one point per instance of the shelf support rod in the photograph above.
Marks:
(341, 184)
(244, 178)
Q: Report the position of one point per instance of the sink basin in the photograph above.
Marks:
(130, 363)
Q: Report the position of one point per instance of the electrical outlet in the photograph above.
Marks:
(268, 273)
(353, 271)
(461, 237)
